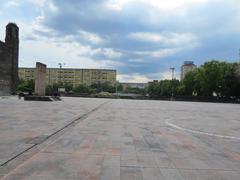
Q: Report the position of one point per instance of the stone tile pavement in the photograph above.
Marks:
(120, 139)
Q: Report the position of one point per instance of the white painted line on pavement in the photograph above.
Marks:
(200, 132)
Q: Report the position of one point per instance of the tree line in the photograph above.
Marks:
(213, 78)
(28, 86)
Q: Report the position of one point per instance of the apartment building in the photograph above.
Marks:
(71, 76)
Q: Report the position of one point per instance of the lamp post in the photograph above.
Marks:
(172, 69)
(60, 72)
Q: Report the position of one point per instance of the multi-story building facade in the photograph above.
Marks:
(72, 76)
(187, 67)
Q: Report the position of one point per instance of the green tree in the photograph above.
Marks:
(68, 87)
(163, 88)
(50, 89)
(119, 87)
(180, 91)
(167, 87)
(82, 89)
(103, 87)
(153, 89)
(230, 86)
(134, 90)
(26, 85)
(108, 87)
(190, 83)
(214, 76)
(211, 77)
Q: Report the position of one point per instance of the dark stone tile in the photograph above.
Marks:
(131, 173)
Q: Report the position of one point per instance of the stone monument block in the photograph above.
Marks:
(40, 81)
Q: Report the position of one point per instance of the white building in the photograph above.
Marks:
(187, 67)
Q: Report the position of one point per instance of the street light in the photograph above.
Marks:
(60, 71)
(172, 69)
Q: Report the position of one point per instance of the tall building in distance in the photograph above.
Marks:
(187, 67)
(9, 60)
(71, 76)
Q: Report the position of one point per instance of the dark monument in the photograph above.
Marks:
(9, 60)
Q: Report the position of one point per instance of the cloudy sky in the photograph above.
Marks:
(142, 39)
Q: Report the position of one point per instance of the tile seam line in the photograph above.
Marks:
(73, 122)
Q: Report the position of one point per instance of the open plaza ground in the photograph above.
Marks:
(113, 139)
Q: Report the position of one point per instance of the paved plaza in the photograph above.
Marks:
(113, 139)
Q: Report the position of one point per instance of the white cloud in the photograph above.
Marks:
(137, 77)
(146, 37)
(52, 50)
(111, 63)
(115, 5)
(52, 7)
(133, 78)
(173, 4)
(38, 2)
(11, 4)
(107, 52)
(169, 39)
(174, 43)
(165, 74)
(90, 37)
(159, 53)
(137, 60)
(118, 5)
(54, 53)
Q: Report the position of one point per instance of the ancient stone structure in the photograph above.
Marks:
(40, 81)
(9, 60)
